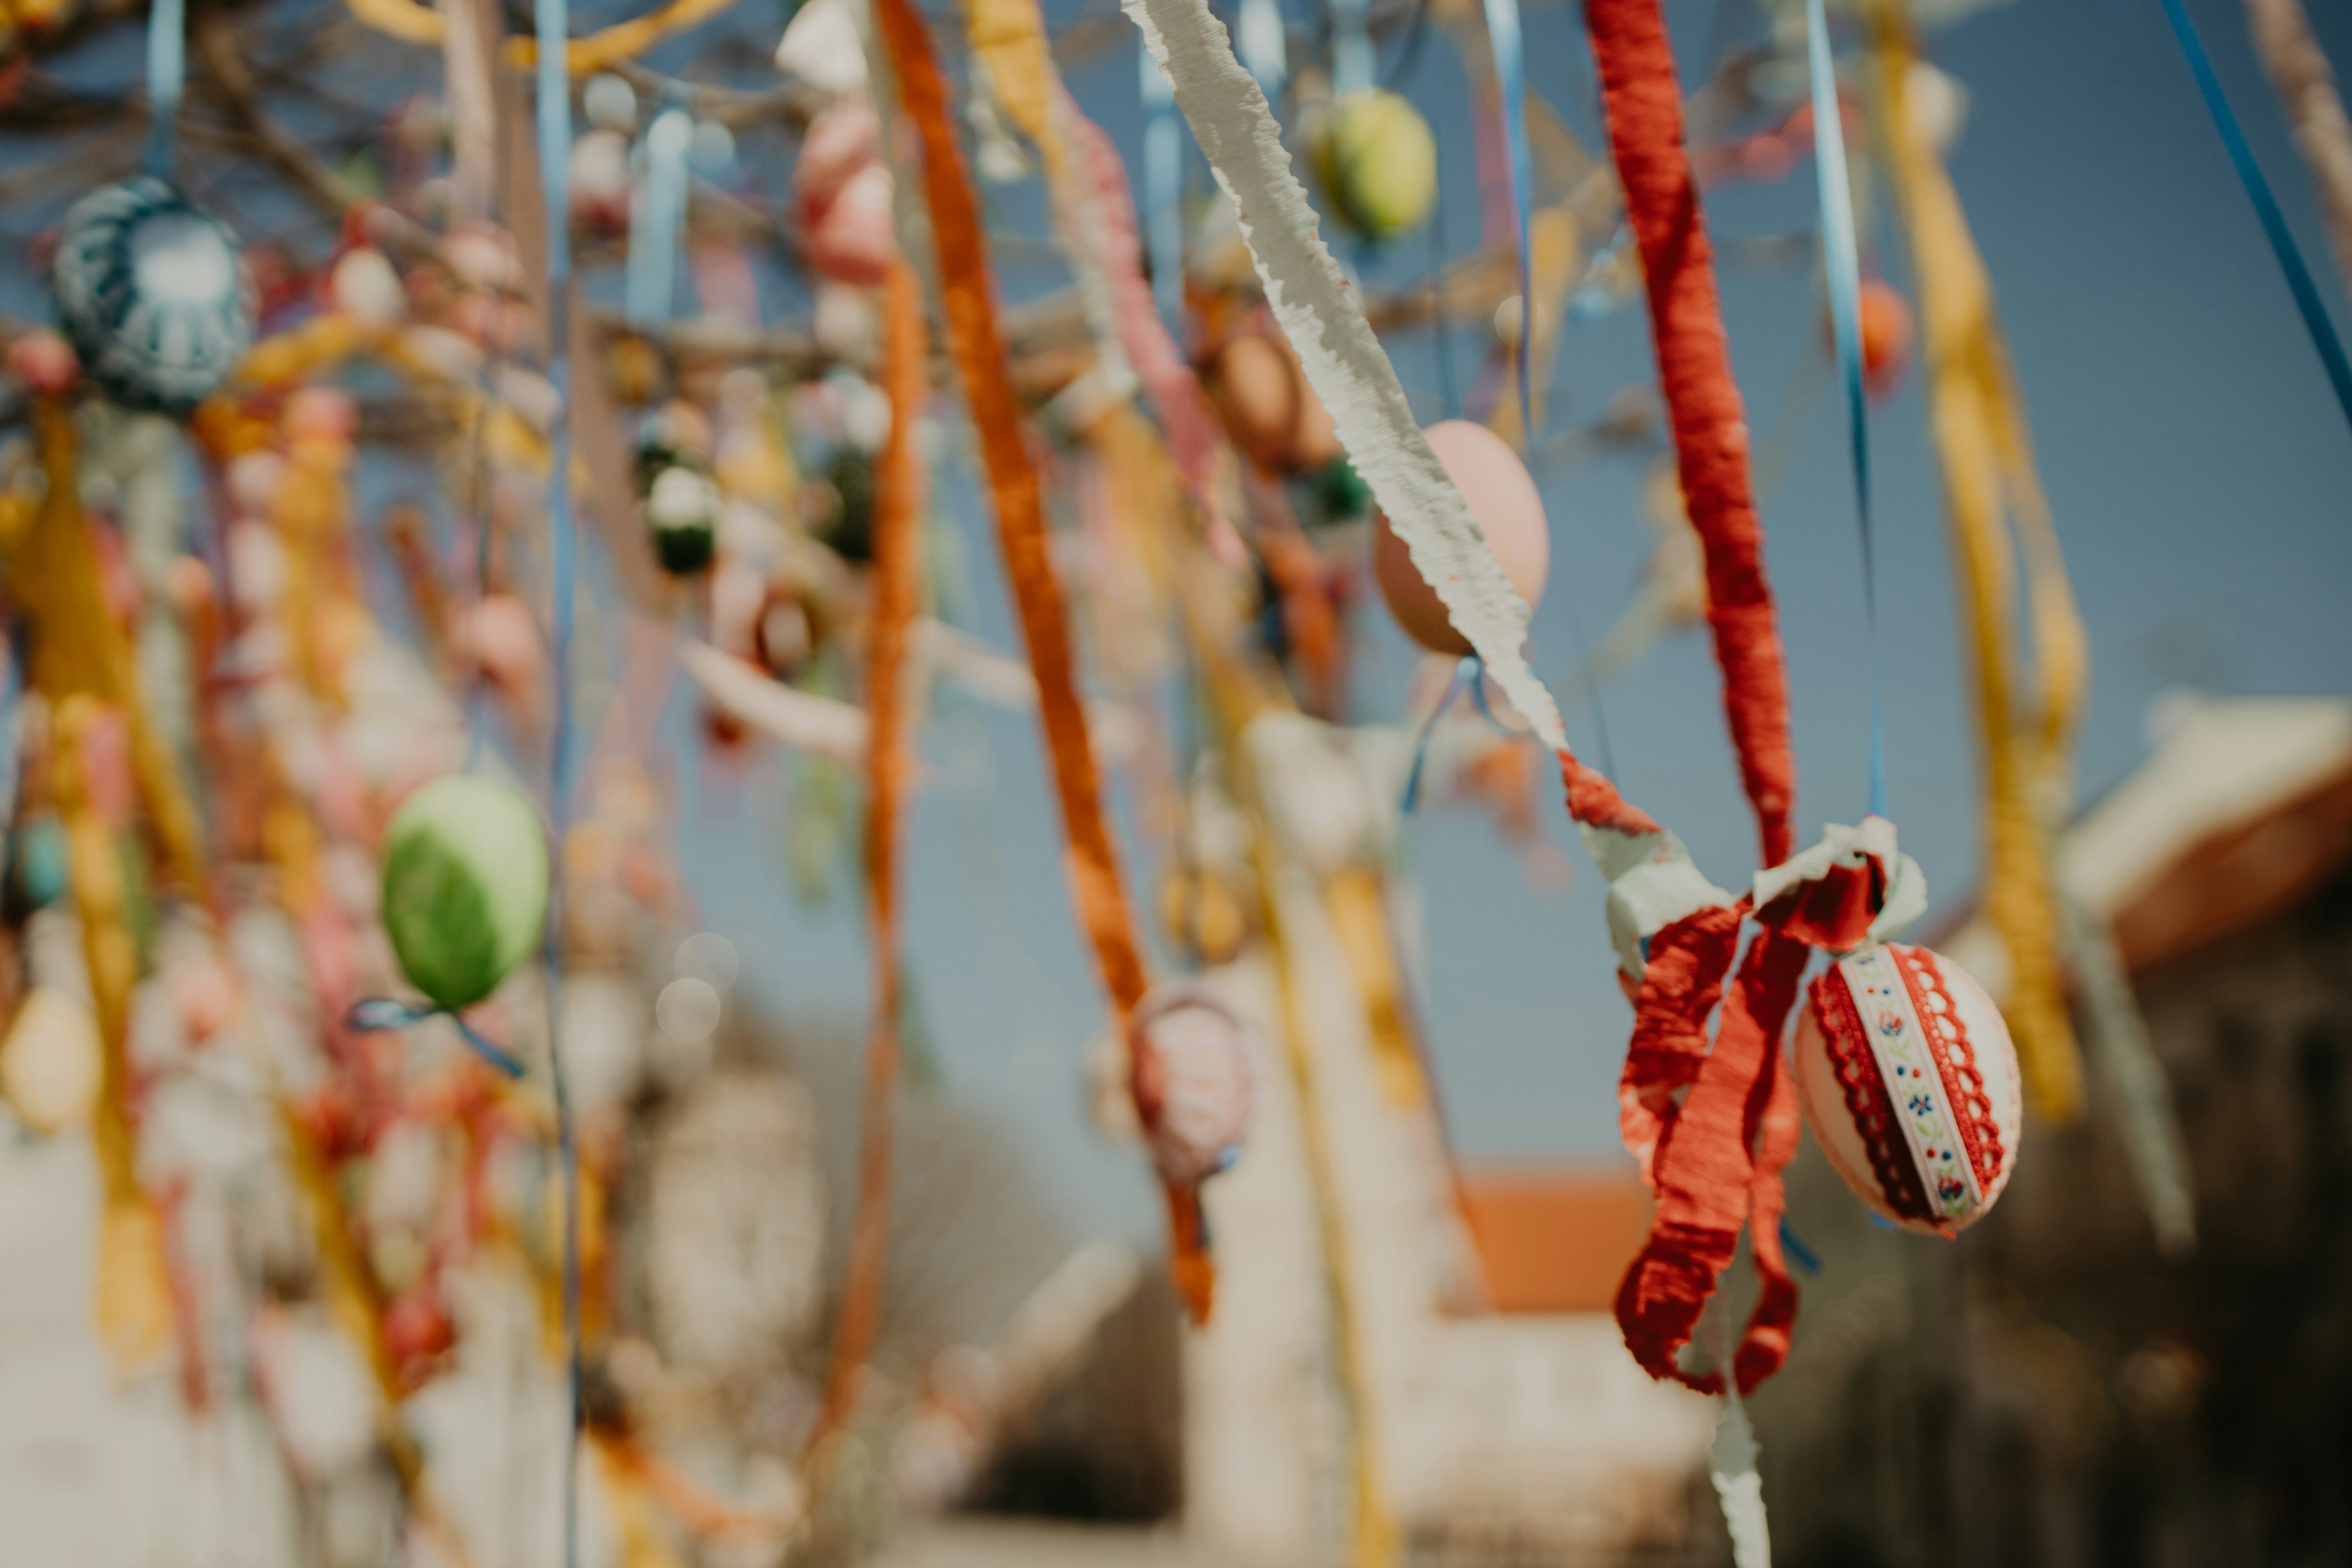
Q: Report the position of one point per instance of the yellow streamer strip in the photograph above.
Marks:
(414, 24)
(1988, 473)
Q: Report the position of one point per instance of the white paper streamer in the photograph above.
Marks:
(1731, 1459)
(1342, 358)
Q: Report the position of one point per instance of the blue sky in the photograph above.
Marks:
(2197, 466)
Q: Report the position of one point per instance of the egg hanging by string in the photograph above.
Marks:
(465, 886)
(1192, 1079)
(1377, 163)
(1502, 496)
(1268, 410)
(1910, 1083)
(1886, 334)
(152, 293)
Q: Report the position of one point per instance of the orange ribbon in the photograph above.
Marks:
(979, 349)
(897, 588)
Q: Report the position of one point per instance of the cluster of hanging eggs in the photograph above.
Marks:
(1910, 1082)
(1377, 161)
(152, 294)
(465, 886)
(1193, 1069)
(1502, 496)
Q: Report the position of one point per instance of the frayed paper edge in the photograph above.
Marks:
(1343, 359)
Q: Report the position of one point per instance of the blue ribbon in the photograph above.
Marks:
(554, 30)
(167, 67)
(1799, 1253)
(1511, 76)
(657, 219)
(2258, 190)
(1164, 189)
(1841, 263)
(1265, 53)
(373, 1014)
(1429, 733)
(1354, 63)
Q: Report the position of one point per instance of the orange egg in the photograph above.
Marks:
(1257, 393)
(1885, 337)
(1501, 494)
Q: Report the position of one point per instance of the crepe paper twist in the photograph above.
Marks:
(1713, 1123)
(1643, 99)
(898, 501)
(979, 350)
(2299, 282)
(418, 24)
(2305, 85)
(1842, 268)
(1980, 439)
(1345, 365)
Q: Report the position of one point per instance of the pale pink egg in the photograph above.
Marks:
(499, 638)
(43, 362)
(1194, 1077)
(1501, 495)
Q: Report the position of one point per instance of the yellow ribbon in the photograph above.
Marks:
(414, 24)
(1988, 475)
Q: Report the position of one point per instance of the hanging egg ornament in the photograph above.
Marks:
(1378, 162)
(1910, 1084)
(465, 886)
(682, 511)
(1258, 395)
(841, 195)
(1885, 318)
(51, 1063)
(1502, 496)
(44, 363)
(153, 294)
(1194, 1078)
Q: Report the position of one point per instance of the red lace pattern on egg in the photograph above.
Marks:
(1867, 1098)
(1956, 1061)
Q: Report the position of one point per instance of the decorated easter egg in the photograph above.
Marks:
(1193, 1080)
(1885, 337)
(1378, 162)
(1910, 1084)
(51, 1064)
(153, 294)
(682, 511)
(1501, 495)
(465, 886)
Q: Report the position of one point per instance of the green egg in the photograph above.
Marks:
(465, 886)
(1378, 162)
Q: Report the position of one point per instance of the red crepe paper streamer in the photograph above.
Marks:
(1643, 99)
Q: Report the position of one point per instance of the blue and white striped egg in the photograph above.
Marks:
(153, 294)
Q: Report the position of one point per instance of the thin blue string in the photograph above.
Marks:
(1842, 262)
(167, 57)
(2258, 190)
(371, 1014)
(1511, 76)
(1429, 730)
(554, 30)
